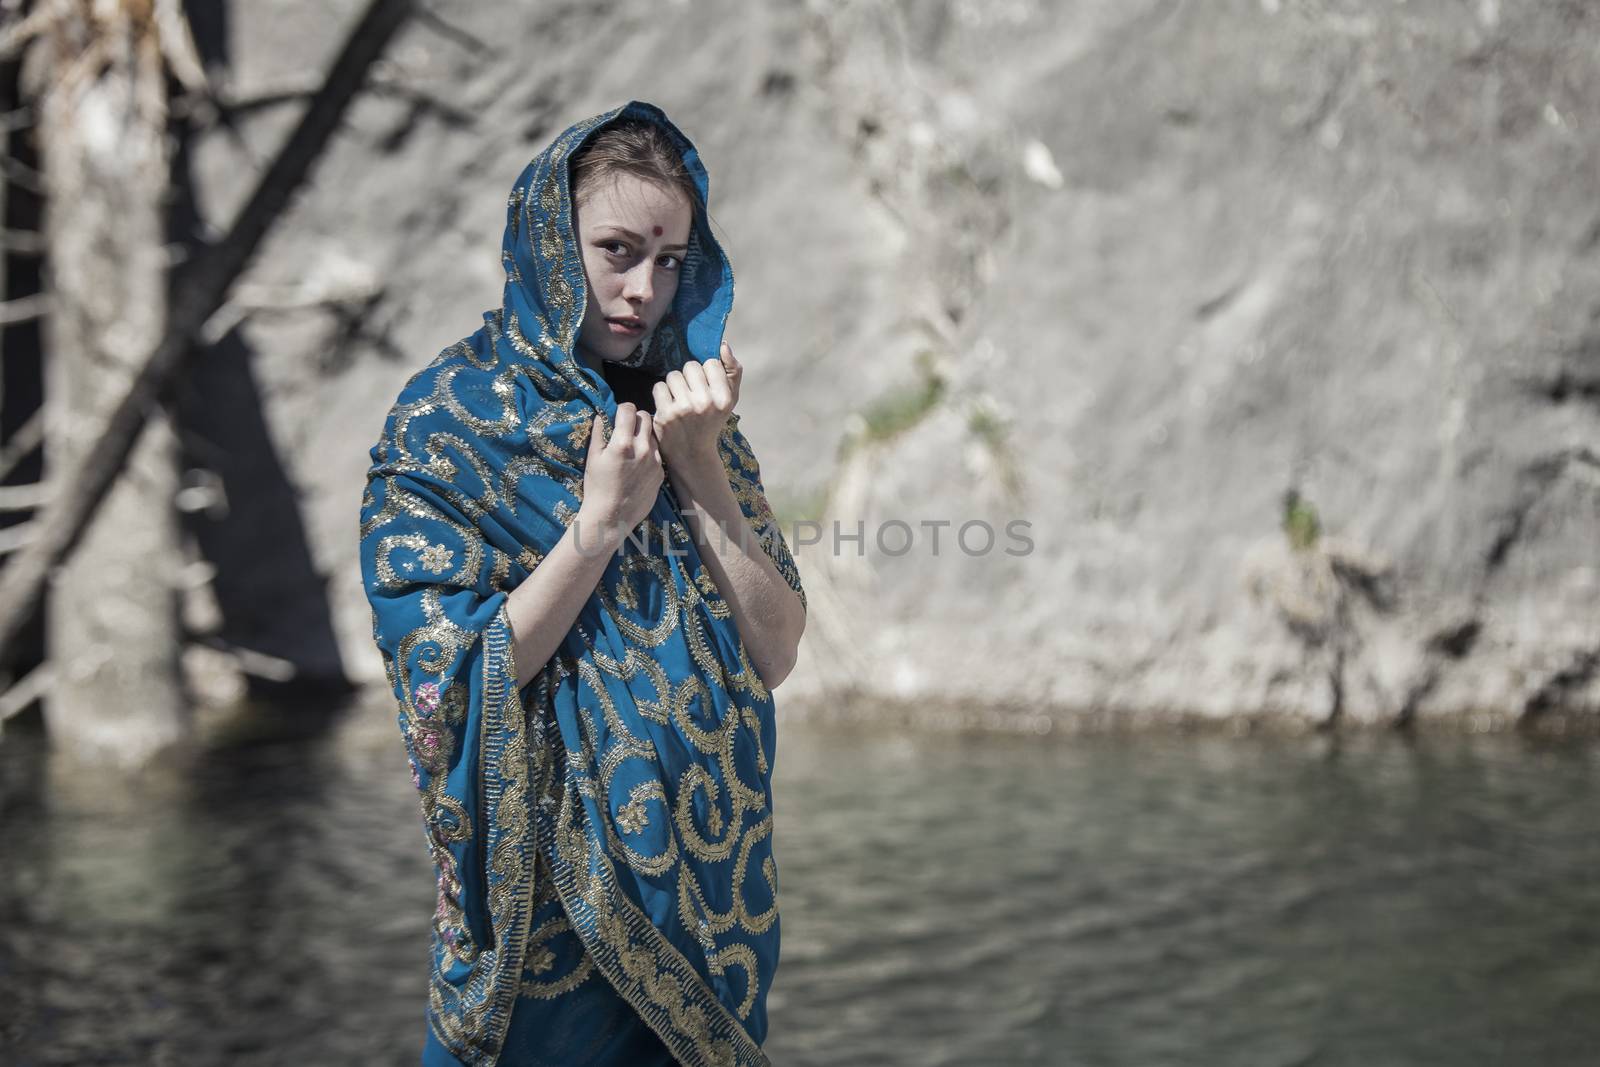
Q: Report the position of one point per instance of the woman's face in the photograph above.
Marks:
(633, 234)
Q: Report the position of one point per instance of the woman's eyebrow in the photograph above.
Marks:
(635, 237)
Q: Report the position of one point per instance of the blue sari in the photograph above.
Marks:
(602, 838)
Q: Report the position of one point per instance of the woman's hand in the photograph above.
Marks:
(622, 476)
(693, 405)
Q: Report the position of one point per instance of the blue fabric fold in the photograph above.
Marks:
(602, 838)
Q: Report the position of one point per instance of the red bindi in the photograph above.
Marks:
(657, 231)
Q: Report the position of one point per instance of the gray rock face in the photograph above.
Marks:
(1129, 272)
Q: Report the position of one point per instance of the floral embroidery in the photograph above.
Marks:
(436, 558)
(449, 918)
(632, 817)
(447, 915)
(541, 960)
(441, 909)
(427, 698)
(449, 885)
(453, 704)
(432, 746)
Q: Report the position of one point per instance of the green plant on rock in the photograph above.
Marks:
(993, 431)
(899, 409)
(796, 506)
(1300, 523)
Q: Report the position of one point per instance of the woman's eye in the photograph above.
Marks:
(670, 262)
(621, 249)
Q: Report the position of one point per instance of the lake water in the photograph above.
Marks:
(1088, 900)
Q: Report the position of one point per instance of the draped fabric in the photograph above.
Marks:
(602, 837)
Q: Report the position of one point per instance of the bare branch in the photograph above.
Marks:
(24, 309)
(249, 661)
(22, 176)
(31, 688)
(19, 119)
(21, 242)
(13, 37)
(232, 107)
(27, 438)
(18, 537)
(24, 497)
(177, 45)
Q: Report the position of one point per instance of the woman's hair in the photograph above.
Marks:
(637, 147)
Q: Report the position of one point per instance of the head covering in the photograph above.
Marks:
(606, 831)
(544, 290)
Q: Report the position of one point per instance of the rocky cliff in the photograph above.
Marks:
(1276, 322)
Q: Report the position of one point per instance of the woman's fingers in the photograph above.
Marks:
(645, 435)
(663, 397)
(699, 398)
(677, 387)
(699, 387)
(718, 388)
(694, 393)
(734, 371)
(625, 427)
(634, 434)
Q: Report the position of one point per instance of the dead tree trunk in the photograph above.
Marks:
(112, 615)
(120, 345)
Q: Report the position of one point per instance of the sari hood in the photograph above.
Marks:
(610, 821)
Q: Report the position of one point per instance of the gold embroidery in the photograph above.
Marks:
(538, 982)
(436, 558)
(644, 967)
(580, 434)
(743, 957)
(633, 817)
(744, 476)
(706, 584)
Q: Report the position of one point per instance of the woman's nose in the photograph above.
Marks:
(638, 282)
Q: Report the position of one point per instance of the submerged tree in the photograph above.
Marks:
(103, 76)
(100, 92)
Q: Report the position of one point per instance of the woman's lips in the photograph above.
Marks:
(625, 329)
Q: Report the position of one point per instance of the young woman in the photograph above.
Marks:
(583, 604)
